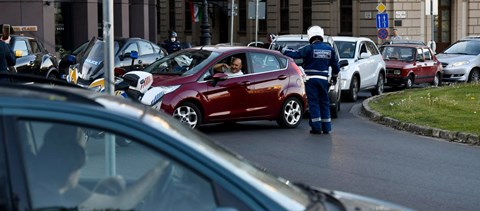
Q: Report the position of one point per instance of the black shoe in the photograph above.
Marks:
(325, 132)
(315, 132)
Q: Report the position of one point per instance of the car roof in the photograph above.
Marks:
(472, 37)
(350, 39)
(406, 45)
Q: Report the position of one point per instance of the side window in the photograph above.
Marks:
(264, 62)
(66, 168)
(427, 54)
(363, 48)
(145, 48)
(21, 45)
(419, 54)
(35, 46)
(130, 48)
(372, 49)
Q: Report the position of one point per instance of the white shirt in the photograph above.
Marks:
(229, 73)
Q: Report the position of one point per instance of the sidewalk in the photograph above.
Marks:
(452, 136)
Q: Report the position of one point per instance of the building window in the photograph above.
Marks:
(188, 17)
(242, 16)
(171, 13)
(346, 24)
(262, 23)
(284, 18)
(307, 14)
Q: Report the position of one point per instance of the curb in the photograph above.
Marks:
(452, 136)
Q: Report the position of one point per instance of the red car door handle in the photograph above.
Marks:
(282, 77)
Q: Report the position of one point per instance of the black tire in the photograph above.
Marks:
(291, 113)
(352, 94)
(408, 82)
(474, 76)
(380, 86)
(334, 110)
(436, 80)
(189, 114)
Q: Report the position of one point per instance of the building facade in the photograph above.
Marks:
(65, 24)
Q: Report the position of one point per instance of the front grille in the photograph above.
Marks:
(391, 71)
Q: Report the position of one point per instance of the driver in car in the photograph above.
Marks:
(61, 188)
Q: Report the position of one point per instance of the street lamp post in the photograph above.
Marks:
(205, 37)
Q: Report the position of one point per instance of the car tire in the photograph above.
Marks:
(352, 93)
(334, 110)
(436, 80)
(379, 87)
(474, 75)
(408, 82)
(189, 114)
(291, 113)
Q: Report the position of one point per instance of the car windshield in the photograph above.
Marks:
(95, 55)
(184, 62)
(467, 47)
(295, 45)
(398, 53)
(346, 49)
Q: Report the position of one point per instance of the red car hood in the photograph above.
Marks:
(163, 80)
(397, 64)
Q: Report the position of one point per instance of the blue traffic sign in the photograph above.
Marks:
(382, 20)
(382, 33)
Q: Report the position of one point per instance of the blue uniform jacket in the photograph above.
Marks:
(172, 46)
(7, 58)
(317, 57)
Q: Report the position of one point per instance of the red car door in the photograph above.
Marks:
(431, 65)
(229, 99)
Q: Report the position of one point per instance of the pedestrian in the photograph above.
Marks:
(395, 35)
(172, 44)
(7, 58)
(6, 30)
(318, 57)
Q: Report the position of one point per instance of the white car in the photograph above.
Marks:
(296, 41)
(365, 70)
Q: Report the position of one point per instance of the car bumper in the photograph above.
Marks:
(395, 79)
(455, 74)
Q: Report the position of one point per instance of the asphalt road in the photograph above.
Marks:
(363, 157)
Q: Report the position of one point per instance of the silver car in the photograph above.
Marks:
(461, 60)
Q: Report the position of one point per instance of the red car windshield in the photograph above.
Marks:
(398, 53)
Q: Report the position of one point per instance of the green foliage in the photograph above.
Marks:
(455, 107)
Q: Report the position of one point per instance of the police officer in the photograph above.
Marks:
(172, 44)
(317, 57)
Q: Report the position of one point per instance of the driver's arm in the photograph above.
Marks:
(131, 196)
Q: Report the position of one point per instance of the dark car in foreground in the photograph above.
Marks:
(33, 58)
(184, 169)
(89, 65)
(271, 87)
(411, 64)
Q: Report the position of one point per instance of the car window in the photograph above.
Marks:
(145, 48)
(295, 45)
(427, 54)
(35, 47)
(21, 45)
(419, 54)
(464, 47)
(372, 49)
(66, 167)
(131, 47)
(264, 62)
(346, 49)
(185, 62)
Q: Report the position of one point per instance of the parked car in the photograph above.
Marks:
(271, 87)
(411, 64)
(461, 60)
(50, 133)
(90, 66)
(365, 70)
(404, 41)
(33, 58)
(296, 41)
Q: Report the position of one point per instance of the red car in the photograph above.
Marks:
(271, 87)
(409, 64)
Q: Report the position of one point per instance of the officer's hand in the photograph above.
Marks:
(333, 80)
